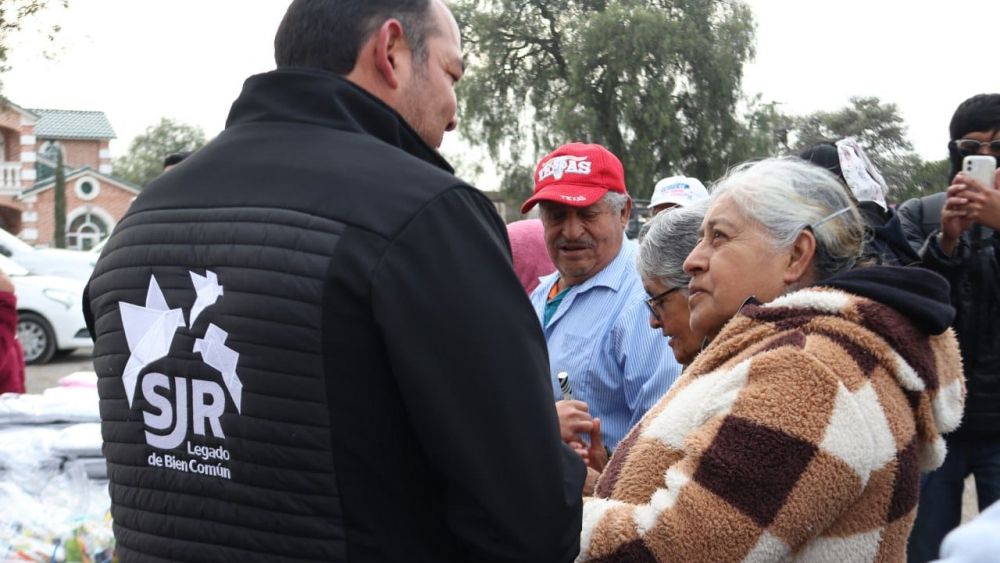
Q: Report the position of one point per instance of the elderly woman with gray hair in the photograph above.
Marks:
(800, 431)
(671, 236)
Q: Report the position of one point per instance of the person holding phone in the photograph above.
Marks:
(973, 197)
(956, 234)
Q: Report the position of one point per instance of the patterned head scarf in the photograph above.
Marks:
(864, 180)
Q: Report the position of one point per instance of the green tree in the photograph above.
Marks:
(876, 125)
(928, 177)
(765, 131)
(655, 81)
(517, 184)
(144, 160)
(59, 207)
(13, 14)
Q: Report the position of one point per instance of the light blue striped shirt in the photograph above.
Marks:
(601, 336)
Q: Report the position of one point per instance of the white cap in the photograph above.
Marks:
(679, 190)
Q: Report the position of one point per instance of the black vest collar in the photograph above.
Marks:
(328, 100)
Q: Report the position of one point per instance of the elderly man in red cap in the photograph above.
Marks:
(592, 308)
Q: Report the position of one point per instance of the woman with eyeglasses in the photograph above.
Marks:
(671, 236)
(956, 232)
(800, 431)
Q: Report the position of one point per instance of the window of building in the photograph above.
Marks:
(49, 150)
(87, 188)
(85, 231)
(47, 156)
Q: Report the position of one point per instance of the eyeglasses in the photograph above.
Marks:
(972, 146)
(654, 302)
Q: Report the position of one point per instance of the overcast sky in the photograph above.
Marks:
(138, 60)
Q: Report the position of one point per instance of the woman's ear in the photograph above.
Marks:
(801, 259)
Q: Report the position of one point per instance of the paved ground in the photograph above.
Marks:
(40, 378)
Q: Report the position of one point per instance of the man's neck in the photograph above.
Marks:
(557, 288)
(562, 284)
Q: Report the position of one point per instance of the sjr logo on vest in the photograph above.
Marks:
(149, 331)
(559, 165)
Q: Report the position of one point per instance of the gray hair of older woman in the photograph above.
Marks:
(671, 236)
(787, 195)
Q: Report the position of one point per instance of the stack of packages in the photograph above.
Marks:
(53, 486)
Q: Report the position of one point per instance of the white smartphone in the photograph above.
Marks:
(980, 167)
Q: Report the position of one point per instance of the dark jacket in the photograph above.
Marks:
(974, 275)
(311, 346)
(885, 241)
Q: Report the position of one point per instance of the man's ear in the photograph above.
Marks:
(801, 258)
(626, 212)
(390, 49)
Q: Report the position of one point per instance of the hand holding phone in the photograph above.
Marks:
(980, 168)
(967, 203)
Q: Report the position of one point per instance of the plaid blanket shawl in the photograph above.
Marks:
(798, 434)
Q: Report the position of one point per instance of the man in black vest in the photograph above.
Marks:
(310, 342)
(956, 232)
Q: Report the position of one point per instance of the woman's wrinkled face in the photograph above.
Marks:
(670, 314)
(735, 259)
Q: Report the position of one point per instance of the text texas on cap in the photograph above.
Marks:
(577, 174)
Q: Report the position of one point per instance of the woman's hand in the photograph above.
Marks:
(595, 455)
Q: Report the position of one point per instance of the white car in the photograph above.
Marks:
(74, 264)
(49, 313)
(98, 248)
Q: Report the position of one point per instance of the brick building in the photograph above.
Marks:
(30, 141)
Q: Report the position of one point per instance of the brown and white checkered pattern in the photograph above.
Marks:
(799, 434)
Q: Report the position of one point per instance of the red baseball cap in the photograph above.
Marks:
(577, 174)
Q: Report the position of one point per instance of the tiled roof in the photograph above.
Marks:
(69, 124)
